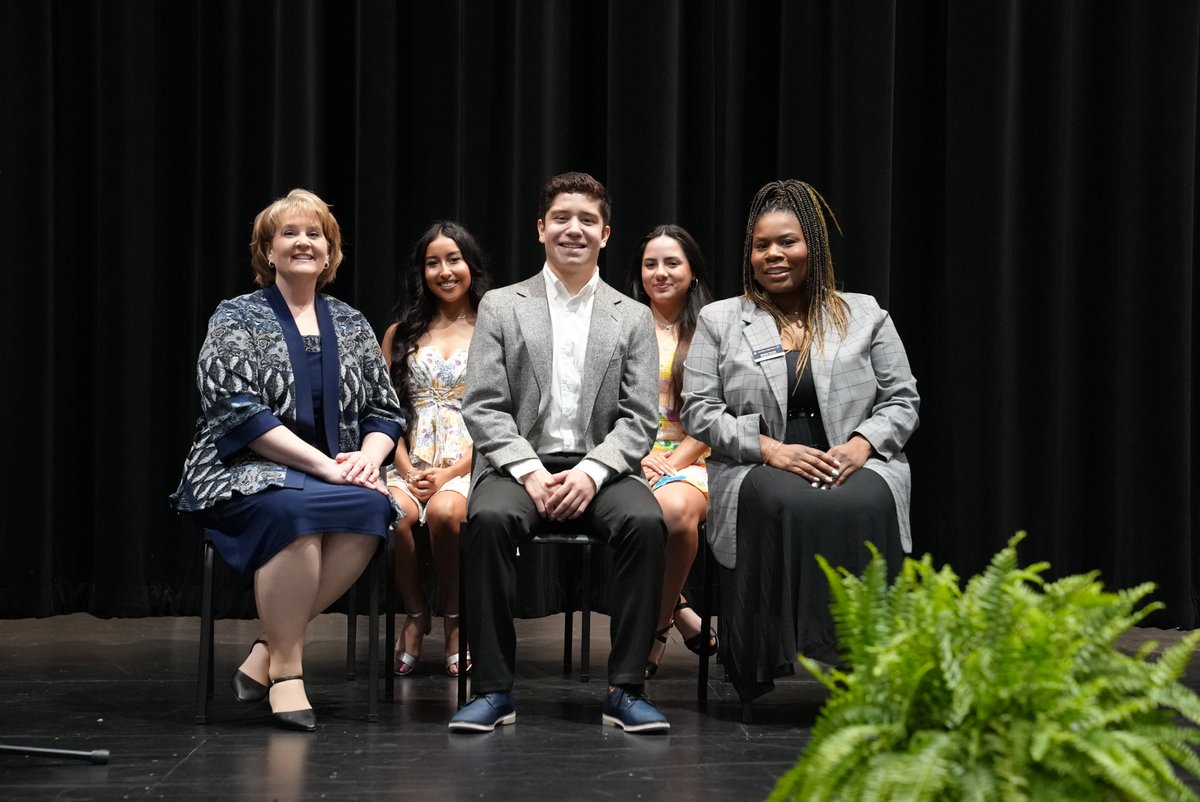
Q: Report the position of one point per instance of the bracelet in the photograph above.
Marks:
(771, 453)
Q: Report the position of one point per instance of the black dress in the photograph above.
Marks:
(775, 602)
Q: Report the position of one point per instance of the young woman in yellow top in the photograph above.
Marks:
(671, 277)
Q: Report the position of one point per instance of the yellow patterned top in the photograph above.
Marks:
(670, 429)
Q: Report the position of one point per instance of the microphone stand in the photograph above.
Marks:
(98, 757)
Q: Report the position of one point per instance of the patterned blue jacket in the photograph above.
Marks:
(253, 375)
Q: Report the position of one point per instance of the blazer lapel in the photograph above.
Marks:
(603, 332)
(763, 337)
(295, 346)
(331, 375)
(533, 318)
(821, 364)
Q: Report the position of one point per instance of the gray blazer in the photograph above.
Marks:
(508, 378)
(863, 383)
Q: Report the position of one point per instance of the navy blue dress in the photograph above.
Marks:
(249, 530)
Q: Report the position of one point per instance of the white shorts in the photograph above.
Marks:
(459, 484)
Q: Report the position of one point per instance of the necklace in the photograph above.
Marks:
(664, 326)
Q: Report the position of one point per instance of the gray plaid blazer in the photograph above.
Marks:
(864, 385)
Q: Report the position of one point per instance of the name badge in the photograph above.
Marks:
(763, 354)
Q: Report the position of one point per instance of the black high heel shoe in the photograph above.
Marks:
(702, 643)
(246, 688)
(304, 720)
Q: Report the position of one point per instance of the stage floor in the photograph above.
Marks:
(128, 686)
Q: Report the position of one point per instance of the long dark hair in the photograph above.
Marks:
(698, 296)
(417, 306)
(825, 305)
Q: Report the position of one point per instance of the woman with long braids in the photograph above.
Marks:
(426, 349)
(805, 395)
(670, 275)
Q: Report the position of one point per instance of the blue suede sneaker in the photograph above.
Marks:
(633, 712)
(483, 713)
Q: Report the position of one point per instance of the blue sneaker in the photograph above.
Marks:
(483, 713)
(633, 712)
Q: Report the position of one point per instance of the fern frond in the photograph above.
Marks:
(1145, 749)
(1009, 688)
(1174, 660)
(828, 760)
(926, 771)
(1114, 765)
(1181, 699)
(1183, 756)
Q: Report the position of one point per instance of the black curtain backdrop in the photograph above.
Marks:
(1017, 182)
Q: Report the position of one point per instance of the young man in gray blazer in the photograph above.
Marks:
(562, 404)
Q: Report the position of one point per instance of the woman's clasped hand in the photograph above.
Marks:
(357, 469)
(825, 469)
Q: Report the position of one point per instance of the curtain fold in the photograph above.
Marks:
(1016, 182)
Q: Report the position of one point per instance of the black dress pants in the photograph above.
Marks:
(502, 516)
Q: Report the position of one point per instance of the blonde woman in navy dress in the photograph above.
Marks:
(670, 275)
(297, 415)
(427, 352)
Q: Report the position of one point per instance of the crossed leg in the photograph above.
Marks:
(308, 575)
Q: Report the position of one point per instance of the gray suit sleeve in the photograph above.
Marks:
(488, 405)
(705, 414)
(894, 416)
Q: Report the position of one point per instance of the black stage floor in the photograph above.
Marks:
(128, 686)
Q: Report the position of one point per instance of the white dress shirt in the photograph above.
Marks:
(563, 432)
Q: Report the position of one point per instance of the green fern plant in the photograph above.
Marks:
(1008, 689)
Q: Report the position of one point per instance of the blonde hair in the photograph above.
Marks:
(266, 225)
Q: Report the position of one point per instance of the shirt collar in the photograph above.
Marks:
(555, 287)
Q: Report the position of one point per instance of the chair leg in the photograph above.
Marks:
(210, 634)
(568, 638)
(705, 616)
(204, 667)
(375, 568)
(351, 631)
(463, 628)
(585, 614)
(389, 583)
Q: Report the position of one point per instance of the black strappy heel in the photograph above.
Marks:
(702, 643)
(246, 688)
(304, 720)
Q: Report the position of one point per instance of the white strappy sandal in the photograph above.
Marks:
(452, 660)
(405, 664)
